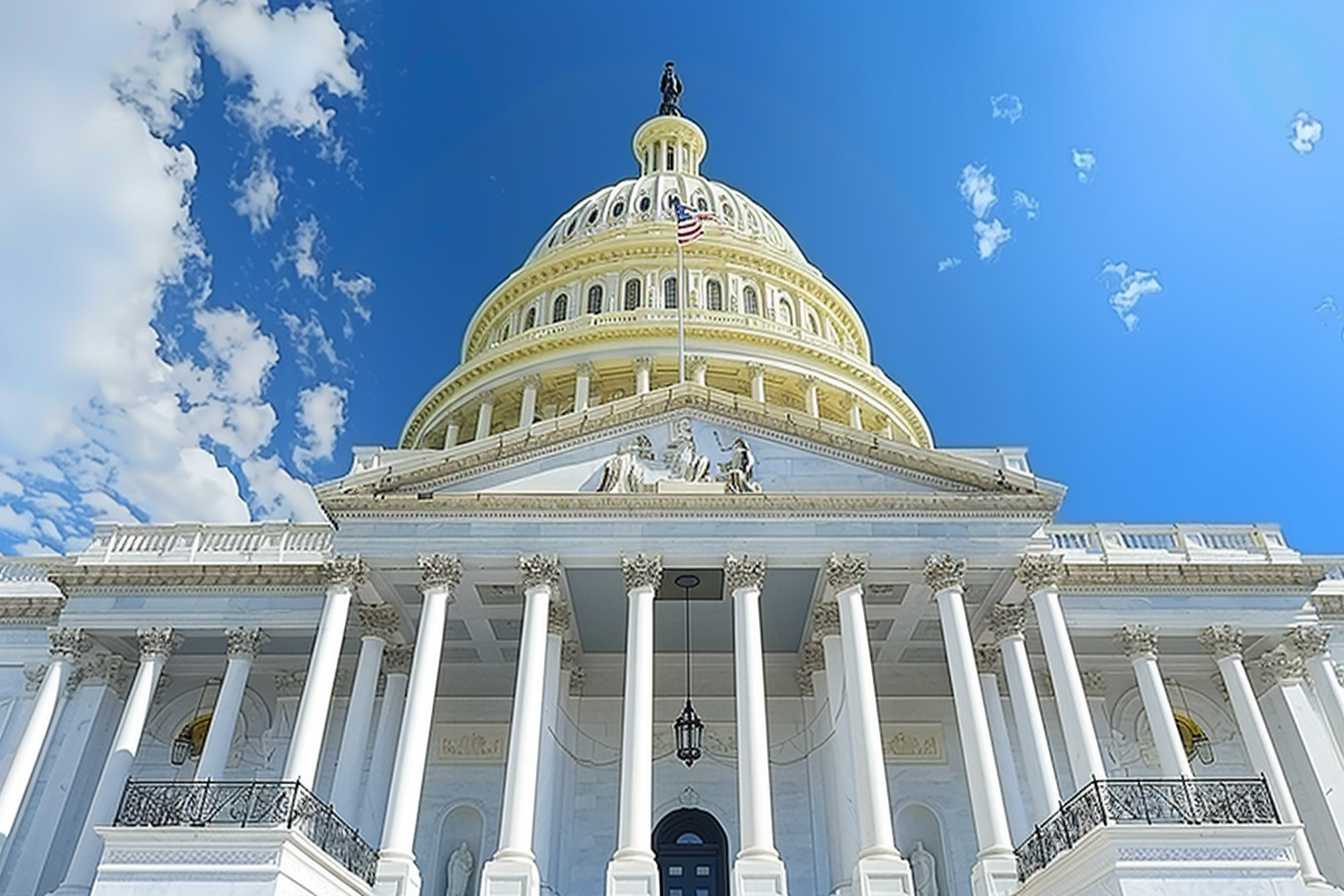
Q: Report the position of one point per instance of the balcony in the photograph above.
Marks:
(1117, 543)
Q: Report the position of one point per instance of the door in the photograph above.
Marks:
(692, 853)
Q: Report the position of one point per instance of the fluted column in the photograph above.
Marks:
(397, 871)
(67, 644)
(513, 868)
(757, 867)
(344, 574)
(757, 372)
(1040, 574)
(1224, 642)
(243, 646)
(527, 411)
(698, 367)
(485, 413)
(879, 867)
(397, 665)
(155, 646)
(1311, 641)
(452, 433)
(855, 412)
(987, 665)
(550, 776)
(632, 870)
(1139, 643)
(583, 381)
(377, 623)
(995, 870)
(643, 369)
(811, 396)
(841, 799)
(1005, 624)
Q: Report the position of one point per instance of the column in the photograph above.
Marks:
(888, 428)
(583, 379)
(879, 868)
(995, 868)
(1005, 624)
(305, 746)
(1310, 642)
(377, 623)
(643, 367)
(811, 397)
(855, 412)
(243, 646)
(484, 413)
(1040, 574)
(155, 646)
(546, 841)
(66, 646)
(1140, 644)
(757, 868)
(451, 434)
(397, 871)
(513, 868)
(697, 366)
(397, 666)
(1223, 642)
(527, 411)
(842, 800)
(757, 372)
(632, 870)
(987, 664)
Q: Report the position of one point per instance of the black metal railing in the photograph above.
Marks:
(276, 804)
(1146, 801)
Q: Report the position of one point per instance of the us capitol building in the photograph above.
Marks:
(598, 626)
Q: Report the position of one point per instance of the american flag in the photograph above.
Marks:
(689, 228)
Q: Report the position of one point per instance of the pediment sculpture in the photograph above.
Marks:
(635, 468)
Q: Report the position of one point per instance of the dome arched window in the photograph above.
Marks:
(503, 332)
(812, 325)
(530, 319)
(632, 295)
(595, 299)
(592, 217)
(617, 209)
(560, 308)
(750, 304)
(671, 159)
(713, 295)
(570, 229)
(644, 203)
(670, 292)
(701, 204)
(785, 313)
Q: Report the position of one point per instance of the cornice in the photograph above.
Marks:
(36, 611)
(1282, 577)
(177, 577)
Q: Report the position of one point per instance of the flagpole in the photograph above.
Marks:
(681, 315)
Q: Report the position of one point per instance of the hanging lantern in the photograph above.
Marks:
(690, 735)
(181, 747)
(1202, 747)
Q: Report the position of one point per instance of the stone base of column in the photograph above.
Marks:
(506, 875)
(398, 875)
(632, 875)
(994, 875)
(760, 876)
(883, 874)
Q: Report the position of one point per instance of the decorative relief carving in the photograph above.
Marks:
(157, 642)
(557, 618)
(397, 659)
(1329, 606)
(1006, 621)
(1221, 641)
(1280, 665)
(825, 619)
(1094, 683)
(33, 674)
(576, 676)
(290, 684)
(244, 642)
(987, 659)
(106, 669)
(846, 570)
(942, 571)
(1039, 571)
(914, 742)
(540, 570)
(811, 660)
(571, 654)
(345, 571)
(743, 572)
(1137, 641)
(378, 620)
(67, 643)
(1309, 640)
(439, 571)
(642, 571)
(465, 742)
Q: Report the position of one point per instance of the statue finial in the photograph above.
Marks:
(670, 85)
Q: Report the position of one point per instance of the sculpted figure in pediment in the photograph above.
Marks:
(739, 469)
(624, 472)
(683, 458)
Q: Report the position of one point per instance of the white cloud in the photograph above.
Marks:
(258, 194)
(1006, 105)
(1304, 132)
(278, 495)
(1084, 160)
(990, 237)
(31, 548)
(1026, 204)
(9, 485)
(948, 263)
(302, 250)
(1131, 286)
(310, 340)
(977, 188)
(19, 522)
(321, 417)
(356, 288)
(104, 507)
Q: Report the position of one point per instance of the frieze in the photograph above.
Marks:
(30, 610)
(1227, 577)
(223, 577)
(466, 742)
(914, 743)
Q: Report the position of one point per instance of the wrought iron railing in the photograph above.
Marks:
(1146, 801)
(284, 804)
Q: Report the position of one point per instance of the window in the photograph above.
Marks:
(644, 203)
(595, 299)
(504, 333)
(592, 216)
(750, 304)
(785, 312)
(617, 209)
(701, 204)
(560, 309)
(690, 838)
(812, 324)
(530, 319)
(670, 292)
(632, 295)
(671, 159)
(713, 295)
(570, 229)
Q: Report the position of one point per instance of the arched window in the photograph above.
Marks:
(670, 292)
(812, 324)
(644, 203)
(572, 224)
(671, 159)
(785, 312)
(713, 295)
(560, 308)
(595, 299)
(530, 319)
(617, 209)
(750, 304)
(701, 204)
(504, 333)
(592, 216)
(632, 295)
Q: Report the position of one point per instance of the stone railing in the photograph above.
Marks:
(201, 543)
(1178, 543)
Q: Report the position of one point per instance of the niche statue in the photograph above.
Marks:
(923, 869)
(460, 865)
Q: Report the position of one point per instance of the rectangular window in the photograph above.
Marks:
(702, 871)
(674, 870)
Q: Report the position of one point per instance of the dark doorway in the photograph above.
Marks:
(692, 853)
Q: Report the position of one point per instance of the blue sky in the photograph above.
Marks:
(426, 147)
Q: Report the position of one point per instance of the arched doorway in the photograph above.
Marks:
(692, 853)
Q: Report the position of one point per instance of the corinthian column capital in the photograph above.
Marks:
(1038, 571)
(244, 642)
(557, 618)
(539, 570)
(642, 571)
(439, 571)
(378, 620)
(1221, 641)
(744, 572)
(344, 570)
(157, 642)
(846, 570)
(1007, 621)
(986, 659)
(1309, 640)
(397, 659)
(825, 619)
(1137, 641)
(942, 571)
(1281, 665)
(67, 643)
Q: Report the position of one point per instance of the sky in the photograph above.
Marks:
(239, 238)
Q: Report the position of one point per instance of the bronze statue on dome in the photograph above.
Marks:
(671, 88)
